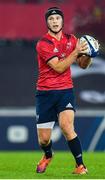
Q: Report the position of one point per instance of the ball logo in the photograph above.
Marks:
(95, 44)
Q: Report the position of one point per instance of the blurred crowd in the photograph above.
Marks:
(86, 19)
(33, 1)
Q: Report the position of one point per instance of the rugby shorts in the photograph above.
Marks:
(50, 103)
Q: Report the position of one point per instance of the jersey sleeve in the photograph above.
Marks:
(45, 51)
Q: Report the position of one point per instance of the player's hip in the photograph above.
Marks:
(50, 103)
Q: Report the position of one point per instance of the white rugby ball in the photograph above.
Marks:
(93, 45)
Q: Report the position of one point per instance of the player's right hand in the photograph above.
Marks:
(81, 47)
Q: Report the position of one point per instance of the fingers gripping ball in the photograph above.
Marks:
(84, 61)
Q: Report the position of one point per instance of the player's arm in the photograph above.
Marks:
(61, 65)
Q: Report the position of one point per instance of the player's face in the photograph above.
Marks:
(55, 22)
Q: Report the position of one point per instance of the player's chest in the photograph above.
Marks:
(63, 48)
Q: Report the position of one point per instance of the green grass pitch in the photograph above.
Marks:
(21, 165)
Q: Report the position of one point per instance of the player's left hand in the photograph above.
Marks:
(84, 61)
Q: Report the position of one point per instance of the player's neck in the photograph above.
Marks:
(57, 36)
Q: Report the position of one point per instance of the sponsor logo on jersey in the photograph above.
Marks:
(68, 45)
(55, 50)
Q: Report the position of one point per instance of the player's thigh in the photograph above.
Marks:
(66, 123)
(66, 101)
(66, 119)
(45, 111)
(66, 109)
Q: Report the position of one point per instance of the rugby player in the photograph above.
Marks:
(55, 102)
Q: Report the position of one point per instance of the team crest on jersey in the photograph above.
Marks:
(55, 50)
(68, 45)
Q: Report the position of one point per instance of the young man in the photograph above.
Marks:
(54, 96)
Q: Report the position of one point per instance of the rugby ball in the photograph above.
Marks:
(93, 45)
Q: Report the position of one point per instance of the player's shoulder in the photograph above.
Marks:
(44, 40)
(70, 36)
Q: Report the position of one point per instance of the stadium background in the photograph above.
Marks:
(21, 25)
